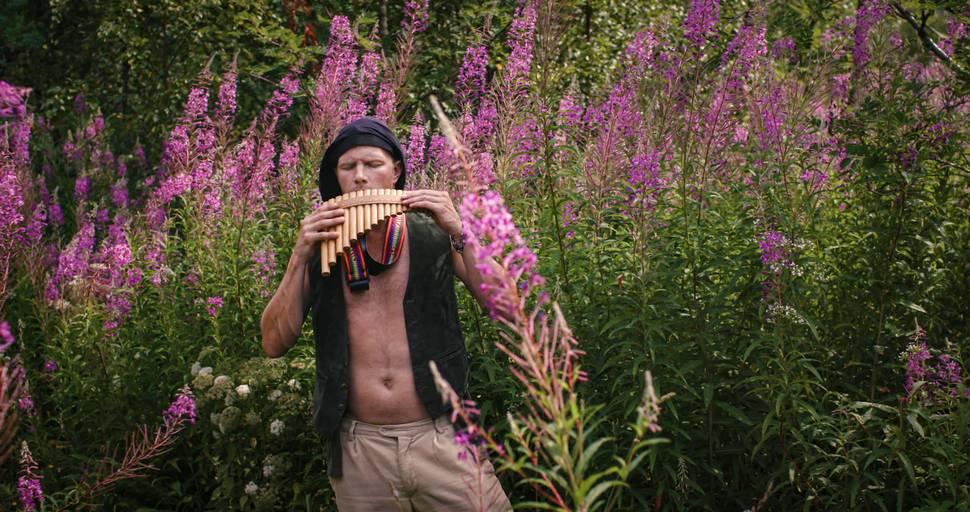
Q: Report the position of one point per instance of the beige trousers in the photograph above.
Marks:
(412, 467)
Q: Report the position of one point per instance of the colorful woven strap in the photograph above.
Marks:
(397, 229)
(355, 260)
(357, 278)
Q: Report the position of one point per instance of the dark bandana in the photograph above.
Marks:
(366, 131)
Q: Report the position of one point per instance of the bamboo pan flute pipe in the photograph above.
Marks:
(363, 211)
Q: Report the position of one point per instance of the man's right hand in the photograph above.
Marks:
(314, 228)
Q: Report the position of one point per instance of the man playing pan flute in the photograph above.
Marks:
(384, 313)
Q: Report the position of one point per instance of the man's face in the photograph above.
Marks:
(366, 167)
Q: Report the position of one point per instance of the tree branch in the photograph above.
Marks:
(920, 29)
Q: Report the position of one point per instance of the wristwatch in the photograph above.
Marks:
(457, 243)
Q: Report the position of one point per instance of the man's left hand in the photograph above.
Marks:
(439, 204)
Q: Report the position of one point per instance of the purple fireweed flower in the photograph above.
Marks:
(226, 99)
(282, 98)
(870, 13)
(639, 54)
(947, 374)
(119, 193)
(72, 261)
(917, 354)
(26, 403)
(56, 214)
(80, 106)
(772, 118)
(570, 112)
(182, 407)
(440, 152)
(196, 106)
(335, 81)
(487, 221)
(264, 268)
(470, 85)
(485, 169)
(6, 338)
(748, 48)
(645, 170)
(783, 46)
(175, 152)
(365, 87)
(521, 43)
(386, 103)
(29, 491)
(11, 201)
(172, 187)
(569, 213)
(214, 305)
(290, 155)
(50, 366)
(34, 231)
(414, 150)
(772, 246)
(102, 216)
(81, 188)
(139, 154)
(955, 31)
(12, 101)
(479, 130)
(702, 17)
(524, 138)
(15, 127)
(415, 15)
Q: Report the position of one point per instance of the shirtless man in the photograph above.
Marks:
(392, 445)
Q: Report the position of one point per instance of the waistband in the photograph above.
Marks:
(356, 427)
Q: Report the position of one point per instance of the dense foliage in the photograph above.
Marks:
(733, 241)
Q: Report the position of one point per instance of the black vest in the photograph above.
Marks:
(431, 320)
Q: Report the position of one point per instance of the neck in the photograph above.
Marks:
(375, 239)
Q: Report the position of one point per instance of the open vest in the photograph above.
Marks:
(431, 320)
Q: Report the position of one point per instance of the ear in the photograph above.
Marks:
(397, 170)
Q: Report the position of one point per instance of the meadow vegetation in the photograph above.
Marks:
(734, 244)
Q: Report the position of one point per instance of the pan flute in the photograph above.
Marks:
(363, 211)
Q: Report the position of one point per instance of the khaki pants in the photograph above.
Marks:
(412, 467)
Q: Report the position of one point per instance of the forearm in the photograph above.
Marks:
(283, 317)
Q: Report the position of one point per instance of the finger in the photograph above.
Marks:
(323, 224)
(426, 196)
(416, 194)
(325, 214)
(435, 207)
(325, 210)
(322, 235)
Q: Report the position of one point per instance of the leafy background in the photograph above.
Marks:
(805, 405)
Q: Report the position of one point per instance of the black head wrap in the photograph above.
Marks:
(365, 131)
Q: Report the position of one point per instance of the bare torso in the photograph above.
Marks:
(381, 379)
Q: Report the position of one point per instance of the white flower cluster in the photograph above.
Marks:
(251, 488)
(778, 311)
(276, 427)
(198, 369)
(226, 419)
(242, 391)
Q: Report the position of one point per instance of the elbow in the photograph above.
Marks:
(272, 345)
(271, 350)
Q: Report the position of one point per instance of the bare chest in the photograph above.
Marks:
(385, 294)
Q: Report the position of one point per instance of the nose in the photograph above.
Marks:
(360, 177)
